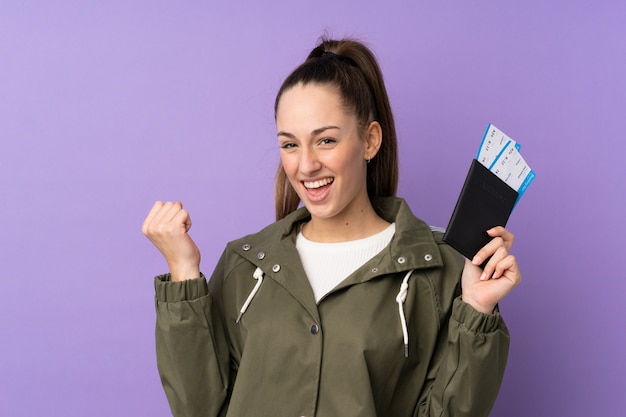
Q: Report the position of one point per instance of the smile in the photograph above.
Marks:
(318, 183)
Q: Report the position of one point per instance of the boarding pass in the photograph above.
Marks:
(501, 155)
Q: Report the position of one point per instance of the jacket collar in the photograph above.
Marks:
(273, 250)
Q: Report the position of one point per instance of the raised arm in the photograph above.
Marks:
(192, 352)
(475, 343)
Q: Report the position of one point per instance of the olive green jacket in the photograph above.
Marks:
(238, 349)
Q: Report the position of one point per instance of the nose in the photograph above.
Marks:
(309, 161)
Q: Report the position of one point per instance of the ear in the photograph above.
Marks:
(373, 140)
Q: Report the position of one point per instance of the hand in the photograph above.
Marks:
(483, 289)
(167, 226)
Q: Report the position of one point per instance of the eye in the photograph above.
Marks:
(327, 141)
(287, 145)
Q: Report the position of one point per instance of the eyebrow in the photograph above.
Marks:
(313, 133)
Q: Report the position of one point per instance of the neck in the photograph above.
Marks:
(357, 224)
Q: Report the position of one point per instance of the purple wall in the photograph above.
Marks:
(106, 107)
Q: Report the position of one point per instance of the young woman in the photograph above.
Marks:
(346, 306)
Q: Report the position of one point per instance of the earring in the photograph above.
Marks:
(367, 161)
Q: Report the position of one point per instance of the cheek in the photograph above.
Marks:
(290, 165)
(354, 161)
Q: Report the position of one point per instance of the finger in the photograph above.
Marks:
(167, 213)
(172, 211)
(182, 218)
(508, 264)
(491, 267)
(506, 236)
(498, 289)
(488, 250)
(188, 222)
(151, 215)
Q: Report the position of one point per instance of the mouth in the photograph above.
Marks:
(312, 185)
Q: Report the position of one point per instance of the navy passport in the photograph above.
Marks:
(485, 202)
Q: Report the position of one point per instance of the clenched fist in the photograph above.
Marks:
(167, 226)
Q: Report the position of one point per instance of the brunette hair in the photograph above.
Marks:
(351, 67)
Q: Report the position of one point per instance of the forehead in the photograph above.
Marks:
(311, 105)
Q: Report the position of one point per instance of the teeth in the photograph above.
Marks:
(318, 184)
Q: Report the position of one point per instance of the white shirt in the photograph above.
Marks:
(327, 264)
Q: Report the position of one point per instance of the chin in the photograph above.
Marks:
(321, 212)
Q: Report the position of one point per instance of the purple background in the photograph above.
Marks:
(106, 107)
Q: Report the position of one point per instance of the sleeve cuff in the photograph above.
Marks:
(475, 321)
(168, 291)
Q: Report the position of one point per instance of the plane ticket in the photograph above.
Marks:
(501, 155)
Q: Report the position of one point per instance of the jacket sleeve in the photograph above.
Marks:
(192, 353)
(474, 354)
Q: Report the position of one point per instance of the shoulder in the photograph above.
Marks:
(448, 252)
(444, 275)
(423, 249)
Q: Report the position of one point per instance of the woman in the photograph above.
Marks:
(347, 306)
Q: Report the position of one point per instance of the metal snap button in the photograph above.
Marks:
(315, 329)
(428, 257)
(246, 247)
(374, 270)
(260, 255)
(401, 260)
(276, 268)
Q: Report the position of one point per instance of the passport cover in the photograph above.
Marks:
(485, 201)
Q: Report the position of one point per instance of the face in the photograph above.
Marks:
(324, 151)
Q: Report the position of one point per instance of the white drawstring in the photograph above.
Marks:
(258, 275)
(400, 299)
